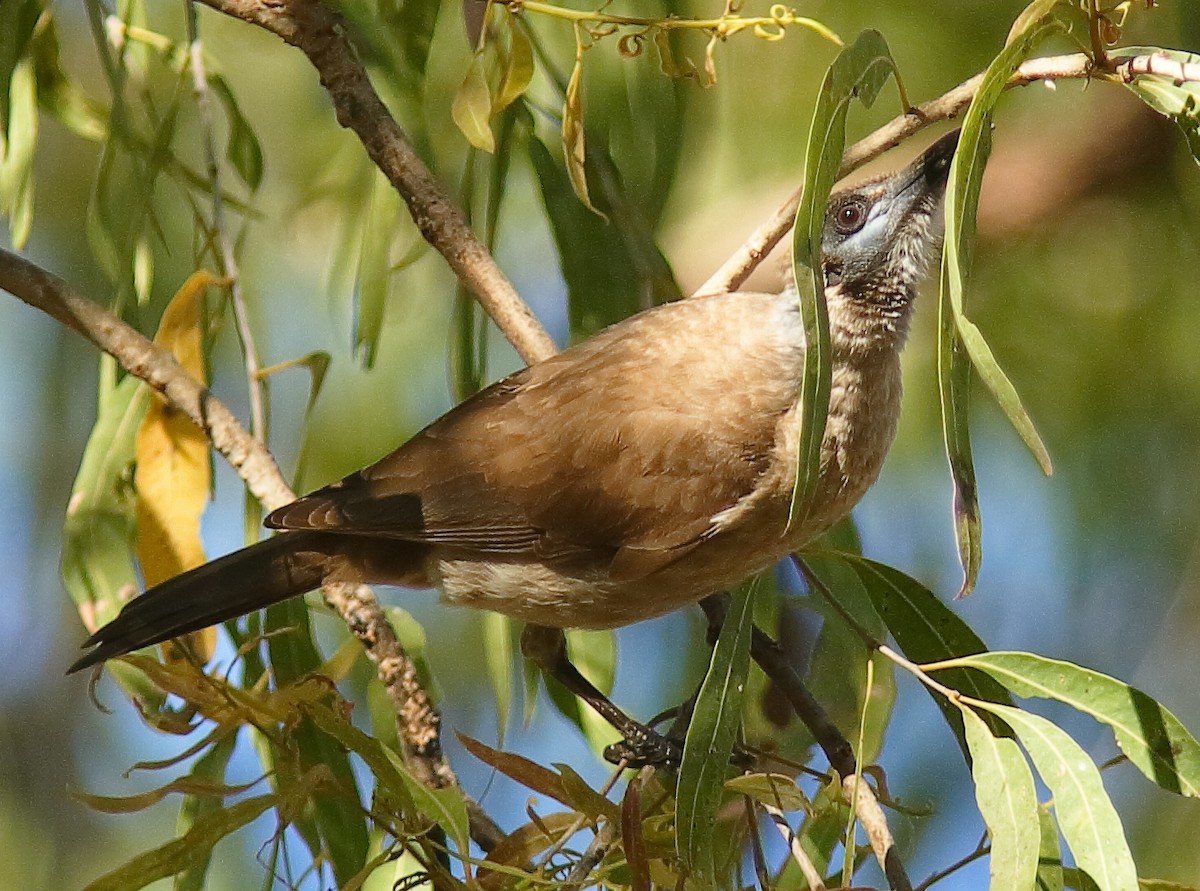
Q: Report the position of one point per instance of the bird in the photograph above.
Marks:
(632, 474)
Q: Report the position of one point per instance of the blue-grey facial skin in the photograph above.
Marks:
(880, 236)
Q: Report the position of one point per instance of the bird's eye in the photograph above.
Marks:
(850, 217)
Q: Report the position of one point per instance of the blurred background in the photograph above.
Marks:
(1085, 283)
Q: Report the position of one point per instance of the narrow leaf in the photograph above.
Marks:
(1086, 816)
(517, 64)
(98, 533)
(959, 340)
(923, 626)
(243, 149)
(1050, 867)
(374, 269)
(472, 108)
(1153, 739)
(710, 736)
(173, 474)
(16, 153)
(181, 853)
(565, 787)
(498, 657)
(859, 71)
(1008, 802)
(573, 136)
(189, 785)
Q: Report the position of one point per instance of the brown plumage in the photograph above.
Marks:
(632, 474)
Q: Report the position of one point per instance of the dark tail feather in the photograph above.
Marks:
(231, 586)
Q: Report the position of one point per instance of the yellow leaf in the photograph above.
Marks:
(173, 475)
(574, 147)
(472, 109)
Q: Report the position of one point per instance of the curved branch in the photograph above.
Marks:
(315, 30)
(417, 720)
(762, 241)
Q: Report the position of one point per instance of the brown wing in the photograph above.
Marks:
(623, 447)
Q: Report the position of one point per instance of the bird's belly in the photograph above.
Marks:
(590, 598)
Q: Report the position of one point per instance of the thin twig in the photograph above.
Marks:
(981, 850)
(356, 604)
(807, 868)
(738, 267)
(219, 233)
(317, 31)
(595, 852)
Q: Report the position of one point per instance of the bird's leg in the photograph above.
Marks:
(547, 649)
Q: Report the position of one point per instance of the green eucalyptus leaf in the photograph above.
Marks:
(924, 627)
(1150, 736)
(710, 736)
(1050, 867)
(243, 149)
(1008, 802)
(960, 343)
(98, 534)
(1086, 816)
(859, 71)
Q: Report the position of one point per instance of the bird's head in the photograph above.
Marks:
(879, 238)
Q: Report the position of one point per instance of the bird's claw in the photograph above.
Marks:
(642, 747)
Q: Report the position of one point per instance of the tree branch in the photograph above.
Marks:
(417, 720)
(316, 31)
(763, 240)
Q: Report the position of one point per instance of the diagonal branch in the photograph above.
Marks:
(763, 240)
(316, 30)
(417, 720)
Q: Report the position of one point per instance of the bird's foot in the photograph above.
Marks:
(643, 747)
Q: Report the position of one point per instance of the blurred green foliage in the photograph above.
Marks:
(1084, 281)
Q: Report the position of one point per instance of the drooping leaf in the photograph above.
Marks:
(498, 657)
(711, 734)
(98, 535)
(16, 153)
(574, 139)
(1086, 816)
(18, 19)
(1008, 802)
(1150, 736)
(60, 96)
(1179, 101)
(472, 106)
(189, 785)
(374, 274)
(173, 475)
(859, 71)
(612, 266)
(516, 62)
(565, 787)
(243, 149)
(960, 343)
